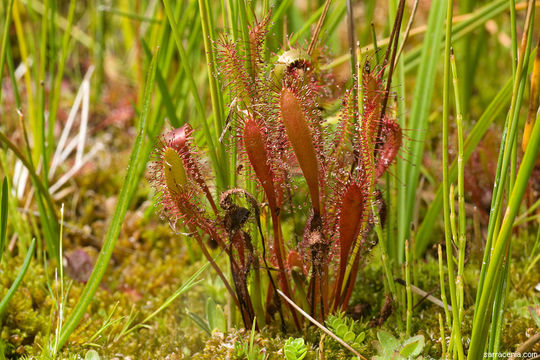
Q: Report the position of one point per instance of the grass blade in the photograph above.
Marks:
(3, 217)
(191, 282)
(479, 336)
(456, 324)
(418, 120)
(19, 278)
(138, 156)
(5, 39)
(424, 235)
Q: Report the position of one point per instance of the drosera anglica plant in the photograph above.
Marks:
(282, 136)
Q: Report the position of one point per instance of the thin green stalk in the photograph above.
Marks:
(463, 27)
(5, 38)
(35, 6)
(456, 325)
(333, 20)
(506, 151)
(513, 34)
(39, 127)
(443, 337)
(479, 18)
(533, 251)
(60, 299)
(464, 48)
(20, 276)
(462, 240)
(488, 248)
(190, 283)
(443, 285)
(23, 50)
(401, 164)
(307, 25)
(498, 306)
(408, 288)
(138, 156)
(162, 73)
(385, 259)
(11, 69)
(492, 111)
(3, 217)
(387, 268)
(418, 120)
(128, 14)
(278, 13)
(256, 298)
(244, 22)
(57, 83)
(231, 17)
(98, 28)
(215, 93)
(453, 226)
(479, 331)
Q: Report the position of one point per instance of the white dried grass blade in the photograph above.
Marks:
(84, 116)
(21, 68)
(60, 148)
(20, 177)
(69, 174)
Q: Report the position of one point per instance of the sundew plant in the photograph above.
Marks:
(284, 143)
(256, 179)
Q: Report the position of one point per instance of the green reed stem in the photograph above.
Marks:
(453, 226)
(39, 135)
(498, 305)
(3, 216)
(387, 268)
(57, 83)
(462, 239)
(456, 325)
(479, 332)
(418, 120)
(443, 284)
(5, 39)
(408, 288)
(443, 337)
(509, 134)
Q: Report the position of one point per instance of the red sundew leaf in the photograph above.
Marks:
(257, 36)
(352, 214)
(232, 70)
(349, 108)
(295, 260)
(301, 140)
(180, 185)
(393, 138)
(256, 151)
(372, 90)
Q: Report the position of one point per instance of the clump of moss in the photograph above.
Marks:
(28, 314)
(269, 342)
